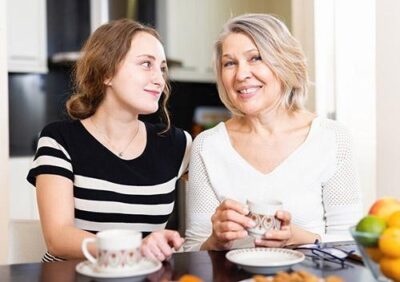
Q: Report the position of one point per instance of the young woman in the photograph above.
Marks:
(271, 148)
(105, 168)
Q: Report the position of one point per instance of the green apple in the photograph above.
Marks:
(369, 228)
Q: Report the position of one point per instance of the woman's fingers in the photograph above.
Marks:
(230, 222)
(283, 234)
(231, 235)
(229, 204)
(234, 216)
(275, 238)
(159, 244)
(285, 217)
(225, 226)
(232, 211)
(173, 238)
(147, 252)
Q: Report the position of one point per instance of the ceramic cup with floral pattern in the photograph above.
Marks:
(263, 212)
(118, 250)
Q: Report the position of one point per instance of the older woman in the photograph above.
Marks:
(271, 148)
(105, 168)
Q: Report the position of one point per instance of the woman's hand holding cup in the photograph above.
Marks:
(272, 224)
(276, 238)
(229, 223)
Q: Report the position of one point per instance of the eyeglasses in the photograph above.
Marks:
(320, 253)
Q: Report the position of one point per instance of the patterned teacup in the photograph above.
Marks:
(117, 250)
(263, 214)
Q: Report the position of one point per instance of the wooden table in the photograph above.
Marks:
(210, 266)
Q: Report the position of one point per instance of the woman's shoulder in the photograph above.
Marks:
(159, 129)
(333, 132)
(210, 136)
(60, 127)
(173, 135)
(332, 126)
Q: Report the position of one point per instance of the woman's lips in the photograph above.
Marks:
(248, 92)
(154, 93)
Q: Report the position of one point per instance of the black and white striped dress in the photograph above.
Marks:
(110, 192)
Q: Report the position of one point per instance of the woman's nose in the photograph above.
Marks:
(158, 78)
(243, 72)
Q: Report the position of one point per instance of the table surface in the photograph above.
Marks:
(210, 266)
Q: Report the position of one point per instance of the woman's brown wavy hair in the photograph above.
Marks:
(101, 55)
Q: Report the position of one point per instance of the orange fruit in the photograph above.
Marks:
(374, 253)
(190, 278)
(390, 267)
(394, 219)
(389, 242)
(384, 207)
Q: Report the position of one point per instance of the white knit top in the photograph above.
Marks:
(317, 183)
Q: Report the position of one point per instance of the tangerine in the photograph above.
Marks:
(374, 253)
(190, 278)
(390, 267)
(389, 242)
(394, 219)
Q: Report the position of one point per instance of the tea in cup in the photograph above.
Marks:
(118, 250)
(263, 214)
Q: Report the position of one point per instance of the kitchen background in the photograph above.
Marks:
(352, 50)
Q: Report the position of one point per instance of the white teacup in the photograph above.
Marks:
(118, 250)
(263, 212)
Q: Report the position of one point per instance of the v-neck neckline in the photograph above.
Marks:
(94, 139)
(250, 167)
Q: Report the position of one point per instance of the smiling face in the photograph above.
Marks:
(140, 77)
(250, 84)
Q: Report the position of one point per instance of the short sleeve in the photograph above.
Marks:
(186, 156)
(51, 155)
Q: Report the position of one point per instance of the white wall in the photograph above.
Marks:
(303, 30)
(388, 97)
(345, 77)
(21, 192)
(355, 84)
(4, 194)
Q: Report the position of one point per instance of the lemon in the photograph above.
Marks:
(370, 228)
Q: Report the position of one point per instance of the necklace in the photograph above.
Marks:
(108, 141)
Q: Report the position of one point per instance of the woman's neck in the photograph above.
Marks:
(271, 124)
(116, 126)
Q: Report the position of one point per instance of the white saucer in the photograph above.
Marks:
(265, 260)
(143, 268)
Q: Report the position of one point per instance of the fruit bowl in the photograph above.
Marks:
(367, 244)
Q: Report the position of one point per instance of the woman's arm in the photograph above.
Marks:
(56, 208)
(201, 201)
(341, 194)
(210, 225)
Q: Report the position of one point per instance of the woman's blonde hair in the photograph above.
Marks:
(102, 53)
(278, 49)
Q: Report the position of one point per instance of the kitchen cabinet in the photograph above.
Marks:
(26, 36)
(189, 29)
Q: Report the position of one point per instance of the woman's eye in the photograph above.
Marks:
(227, 64)
(256, 58)
(164, 69)
(146, 64)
